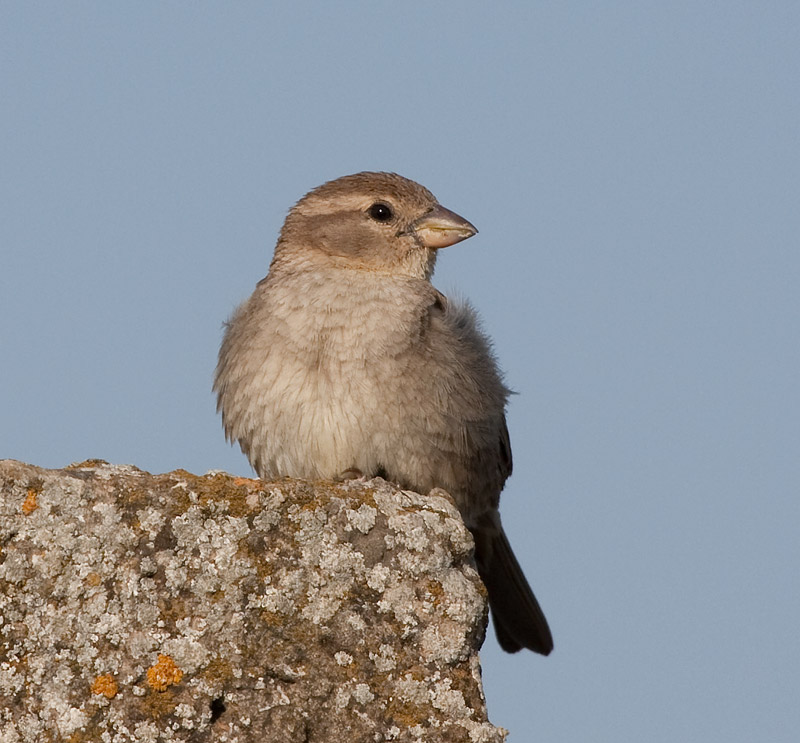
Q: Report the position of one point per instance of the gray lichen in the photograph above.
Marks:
(174, 607)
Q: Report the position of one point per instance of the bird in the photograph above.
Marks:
(347, 362)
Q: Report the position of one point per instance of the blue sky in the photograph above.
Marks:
(634, 171)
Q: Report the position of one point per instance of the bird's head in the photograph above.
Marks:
(378, 222)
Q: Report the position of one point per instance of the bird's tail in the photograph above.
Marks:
(518, 619)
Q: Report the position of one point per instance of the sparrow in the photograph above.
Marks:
(347, 362)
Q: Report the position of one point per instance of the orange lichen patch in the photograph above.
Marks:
(105, 685)
(164, 673)
(250, 482)
(436, 591)
(93, 579)
(29, 505)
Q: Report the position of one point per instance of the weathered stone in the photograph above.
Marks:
(177, 607)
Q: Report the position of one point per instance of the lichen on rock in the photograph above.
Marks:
(175, 607)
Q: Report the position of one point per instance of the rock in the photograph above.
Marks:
(176, 607)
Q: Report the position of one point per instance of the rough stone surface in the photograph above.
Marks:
(177, 607)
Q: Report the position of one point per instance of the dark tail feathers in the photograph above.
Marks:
(518, 619)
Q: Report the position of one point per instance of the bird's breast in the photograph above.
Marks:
(333, 375)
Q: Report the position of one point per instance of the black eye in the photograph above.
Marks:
(380, 212)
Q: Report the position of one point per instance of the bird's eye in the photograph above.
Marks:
(381, 212)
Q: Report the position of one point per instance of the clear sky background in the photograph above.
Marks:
(634, 170)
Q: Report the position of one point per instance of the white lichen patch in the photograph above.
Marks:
(356, 622)
(358, 693)
(11, 682)
(272, 599)
(151, 520)
(378, 577)
(190, 655)
(187, 716)
(342, 658)
(362, 693)
(484, 732)
(443, 642)
(462, 597)
(331, 566)
(385, 659)
(69, 719)
(400, 601)
(270, 507)
(362, 519)
(450, 701)
(106, 471)
(411, 690)
(214, 546)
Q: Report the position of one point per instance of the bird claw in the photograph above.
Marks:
(353, 473)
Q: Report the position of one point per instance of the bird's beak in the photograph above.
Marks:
(440, 227)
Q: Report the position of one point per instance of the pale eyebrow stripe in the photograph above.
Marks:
(342, 204)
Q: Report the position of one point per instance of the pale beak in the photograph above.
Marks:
(440, 227)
